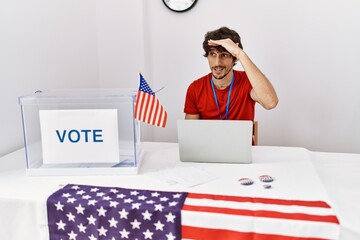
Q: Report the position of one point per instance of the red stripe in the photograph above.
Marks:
(219, 234)
(160, 116)
(137, 104)
(320, 204)
(155, 112)
(151, 107)
(149, 112)
(145, 107)
(141, 106)
(263, 213)
(165, 119)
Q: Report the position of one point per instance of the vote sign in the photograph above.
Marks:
(79, 136)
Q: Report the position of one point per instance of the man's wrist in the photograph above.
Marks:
(241, 54)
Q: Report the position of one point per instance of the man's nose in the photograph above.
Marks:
(217, 60)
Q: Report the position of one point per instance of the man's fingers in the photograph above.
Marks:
(213, 43)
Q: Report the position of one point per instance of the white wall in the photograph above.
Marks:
(120, 41)
(43, 45)
(308, 49)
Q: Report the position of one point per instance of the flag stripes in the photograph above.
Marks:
(261, 200)
(206, 216)
(216, 234)
(147, 107)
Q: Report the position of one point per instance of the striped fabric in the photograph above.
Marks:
(213, 217)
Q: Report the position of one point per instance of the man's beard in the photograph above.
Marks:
(222, 76)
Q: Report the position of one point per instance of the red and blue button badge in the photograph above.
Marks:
(246, 181)
(266, 178)
(263, 178)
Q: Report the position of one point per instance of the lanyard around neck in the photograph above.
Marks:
(228, 98)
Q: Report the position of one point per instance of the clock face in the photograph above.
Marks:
(179, 5)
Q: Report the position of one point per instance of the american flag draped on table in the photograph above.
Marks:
(78, 212)
(147, 107)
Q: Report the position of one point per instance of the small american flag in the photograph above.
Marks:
(147, 107)
(78, 212)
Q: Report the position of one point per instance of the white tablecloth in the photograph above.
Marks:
(333, 179)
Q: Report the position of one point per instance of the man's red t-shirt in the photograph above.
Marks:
(200, 99)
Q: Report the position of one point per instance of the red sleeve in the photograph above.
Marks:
(190, 100)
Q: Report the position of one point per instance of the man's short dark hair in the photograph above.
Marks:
(221, 33)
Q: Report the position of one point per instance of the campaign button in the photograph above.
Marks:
(266, 178)
(246, 181)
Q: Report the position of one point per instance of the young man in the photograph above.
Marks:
(226, 93)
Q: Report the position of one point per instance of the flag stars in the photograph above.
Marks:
(128, 200)
(134, 193)
(150, 202)
(71, 200)
(100, 194)
(107, 198)
(92, 202)
(135, 206)
(142, 197)
(72, 235)
(59, 206)
(173, 204)
(90, 213)
(113, 190)
(113, 204)
(101, 211)
(178, 195)
(113, 222)
(66, 195)
(124, 233)
(123, 214)
(82, 228)
(170, 217)
(81, 192)
(148, 234)
(135, 224)
(71, 217)
(86, 197)
(121, 195)
(102, 231)
(80, 209)
(164, 199)
(147, 215)
(61, 225)
(91, 220)
(159, 226)
(170, 236)
(92, 237)
(155, 194)
(159, 207)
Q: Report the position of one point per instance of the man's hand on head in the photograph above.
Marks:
(228, 44)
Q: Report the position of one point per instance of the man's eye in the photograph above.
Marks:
(225, 55)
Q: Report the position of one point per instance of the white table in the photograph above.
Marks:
(22, 198)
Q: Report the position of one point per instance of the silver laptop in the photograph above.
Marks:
(217, 141)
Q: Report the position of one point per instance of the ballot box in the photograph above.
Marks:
(81, 132)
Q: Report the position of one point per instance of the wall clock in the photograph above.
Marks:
(179, 5)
